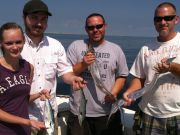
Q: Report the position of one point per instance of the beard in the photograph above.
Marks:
(163, 30)
(163, 33)
(35, 31)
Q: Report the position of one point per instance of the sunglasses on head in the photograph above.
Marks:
(98, 26)
(165, 18)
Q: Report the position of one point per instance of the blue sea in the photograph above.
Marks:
(130, 46)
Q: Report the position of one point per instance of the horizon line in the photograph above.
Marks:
(105, 35)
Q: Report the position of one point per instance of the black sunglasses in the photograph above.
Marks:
(165, 18)
(98, 26)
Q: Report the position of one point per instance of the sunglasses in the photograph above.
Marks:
(98, 26)
(165, 18)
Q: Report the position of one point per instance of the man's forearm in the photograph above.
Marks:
(79, 68)
(119, 84)
(175, 68)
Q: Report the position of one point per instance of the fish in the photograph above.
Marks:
(171, 59)
(94, 70)
(82, 107)
(95, 73)
(119, 103)
(49, 117)
(137, 94)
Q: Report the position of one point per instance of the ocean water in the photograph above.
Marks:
(130, 46)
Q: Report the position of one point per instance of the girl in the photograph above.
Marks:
(15, 80)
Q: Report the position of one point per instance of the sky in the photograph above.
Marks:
(123, 17)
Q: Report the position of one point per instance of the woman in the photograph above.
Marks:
(15, 80)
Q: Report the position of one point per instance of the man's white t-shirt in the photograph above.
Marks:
(163, 100)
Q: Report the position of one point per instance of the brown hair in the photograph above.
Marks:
(7, 26)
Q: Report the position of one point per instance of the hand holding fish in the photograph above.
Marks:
(37, 124)
(110, 98)
(163, 67)
(89, 58)
(78, 83)
(127, 99)
(44, 94)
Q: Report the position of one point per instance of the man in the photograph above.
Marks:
(48, 57)
(160, 106)
(113, 71)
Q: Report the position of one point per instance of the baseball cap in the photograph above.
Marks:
(34, 6)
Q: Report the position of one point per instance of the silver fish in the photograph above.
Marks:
(171, 59)
(137, 94)
(49, 117)
(119, 103)
(149, 86)
(94, 70)
(82, 107)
